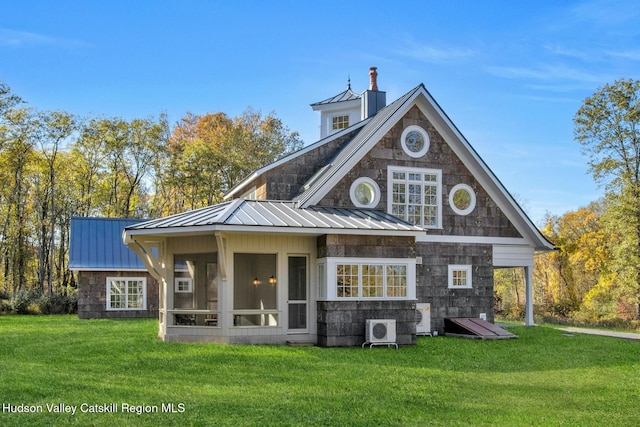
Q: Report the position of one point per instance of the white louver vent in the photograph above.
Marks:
(381, 331)
(423, 319)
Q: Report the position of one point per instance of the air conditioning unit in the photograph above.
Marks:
(381, 331)
(423, 318)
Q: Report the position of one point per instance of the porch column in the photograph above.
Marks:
(528, 278)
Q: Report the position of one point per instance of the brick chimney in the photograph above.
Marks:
(372, 99)
(373, 78)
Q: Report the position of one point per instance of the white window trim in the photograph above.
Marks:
(457, 267)
(329, 288)
(189, 280)
(437, 172)
(144, 293)
(425, 136)
(472, 202)
(376, 190)
(329, 118)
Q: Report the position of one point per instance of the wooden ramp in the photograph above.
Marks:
(475, 328)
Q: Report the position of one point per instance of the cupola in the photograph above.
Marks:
(347, 108)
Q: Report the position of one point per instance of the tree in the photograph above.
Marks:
(115, 158)
(607, 126)
(564, 277)
(54, 129)
(208, 154)
(16, 153)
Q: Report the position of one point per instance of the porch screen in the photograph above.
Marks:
(254, 290)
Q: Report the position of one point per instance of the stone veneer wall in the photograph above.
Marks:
(432, 281)
(343, 323)
(365, 246)
(92, 295)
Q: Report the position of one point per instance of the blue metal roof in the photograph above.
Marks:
(96, 244)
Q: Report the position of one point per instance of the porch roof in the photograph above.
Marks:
(277, 216)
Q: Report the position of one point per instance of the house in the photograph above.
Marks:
(112, 280)
(391, 209)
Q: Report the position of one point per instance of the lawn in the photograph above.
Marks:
(544, 378)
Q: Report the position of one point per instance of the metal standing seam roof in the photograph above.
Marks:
(96, 244)
(324, 174)
(347, 95)
(279, 214)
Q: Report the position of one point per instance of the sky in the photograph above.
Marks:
(510, 74)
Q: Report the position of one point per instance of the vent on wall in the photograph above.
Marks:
(423, 319)
(381, 331)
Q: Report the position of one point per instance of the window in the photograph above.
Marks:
(415, 141)
(459, 276)
(126, 293)
(184, 284)
(415, 195)
(462, 199)
(347, 280)
(372, 281)
(251, 194)
(365, 193)
(366, 278)
(339, 122)
(397, 281)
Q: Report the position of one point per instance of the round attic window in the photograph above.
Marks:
(365, 193)
(462, 199)
(415, 141)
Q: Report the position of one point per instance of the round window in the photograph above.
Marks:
(365, 193)
(415, 141)
(462, 199)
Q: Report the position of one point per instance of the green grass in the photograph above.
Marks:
(543, 378)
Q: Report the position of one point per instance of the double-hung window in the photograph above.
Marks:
(415, 195)
(126, 293)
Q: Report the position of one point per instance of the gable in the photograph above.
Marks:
(285, 178)
(486, 219)
(387, 123)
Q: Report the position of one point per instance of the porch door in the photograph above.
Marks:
(297, 295)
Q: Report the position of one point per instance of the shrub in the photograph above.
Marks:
(23, 300)
(59, 303)
(5, 306)
(34, 308)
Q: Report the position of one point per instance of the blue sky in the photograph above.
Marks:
(510, 74)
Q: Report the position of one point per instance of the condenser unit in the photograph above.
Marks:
(381, 331)
(423, 318)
